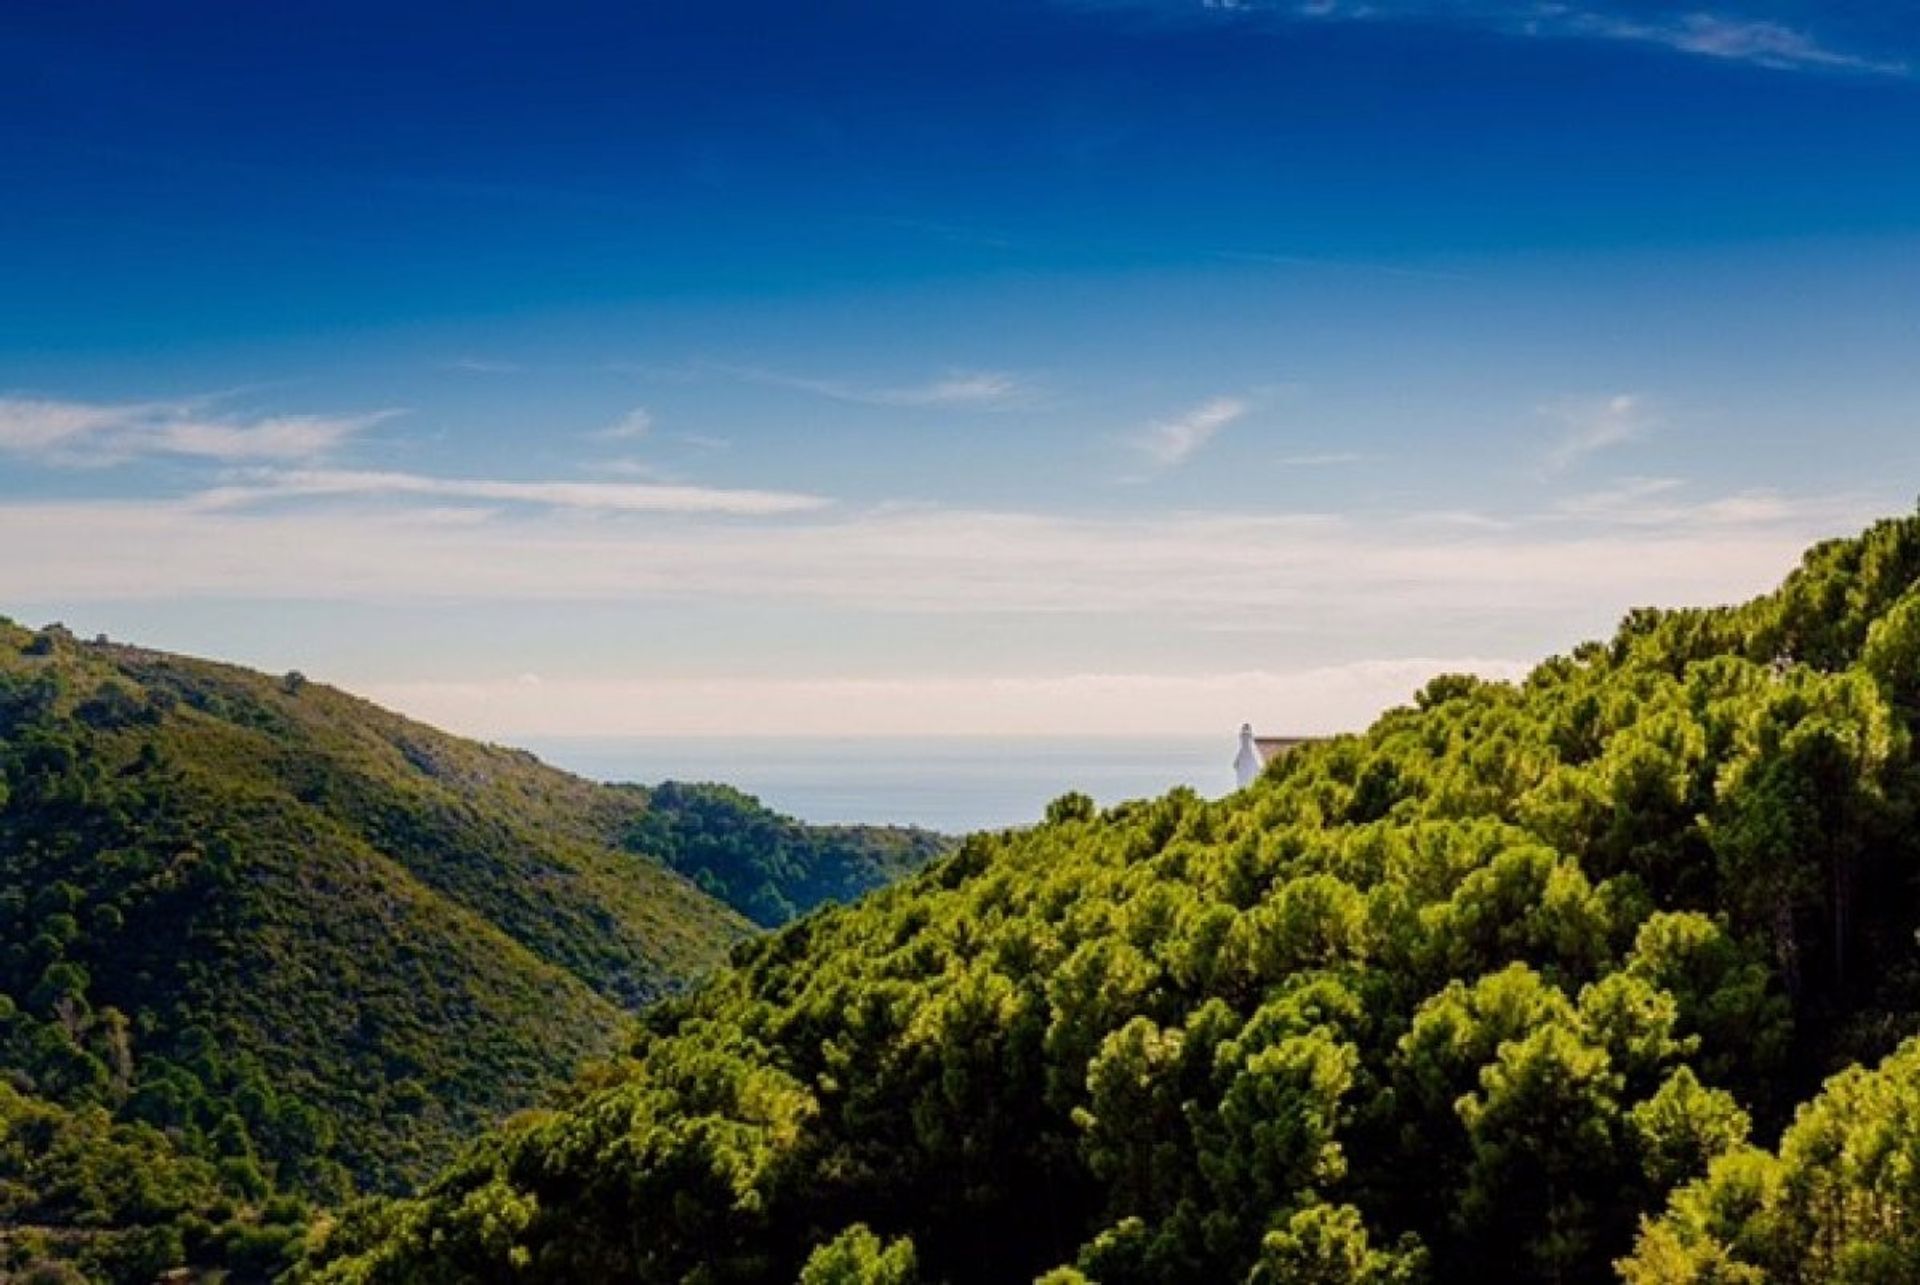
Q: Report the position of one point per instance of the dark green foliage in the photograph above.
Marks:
(298, 929)
(265, 937)
(121, 1202)
(1464, 998)
(769, 867)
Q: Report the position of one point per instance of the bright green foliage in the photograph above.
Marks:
(857, 1257)
(1328, 1245)
(1683, 1128)
(1837, 1204)
(1463, 998)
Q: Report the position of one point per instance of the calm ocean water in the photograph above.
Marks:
(947, 783)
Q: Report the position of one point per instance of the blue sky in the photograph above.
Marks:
(1105, 365)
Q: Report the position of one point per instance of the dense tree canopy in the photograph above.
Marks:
(1837, 1203)
(1469, 997)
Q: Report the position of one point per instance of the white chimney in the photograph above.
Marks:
(1247, 763)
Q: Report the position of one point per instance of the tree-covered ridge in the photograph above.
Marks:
(226, 890)
(769, 867)
(258, 932)
(1468, 997)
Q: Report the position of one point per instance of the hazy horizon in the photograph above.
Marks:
(954, 784)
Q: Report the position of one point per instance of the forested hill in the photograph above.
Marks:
(768, 867)
(1523, 983)
(258, 936)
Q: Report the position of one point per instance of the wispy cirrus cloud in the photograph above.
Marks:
(1593, 425)
(1626, 500)
(1665, 502)
(978, 389)
(636, 423)
(1172, 442)
(483, 366)
(1734, 39)
(77, 433)
(1321, 459)
(628, 497)
(1732, 35)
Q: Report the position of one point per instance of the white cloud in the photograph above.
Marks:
(1661, 501)
(1172, 442)
(1764, 44)
(979, 390)
(631, 497)
(1433, 584)
(88, 433)
(1321, 459)
(392, 537)
(1726, 35)
(636, 423)
(1304, 701)
(482, 366)
(627, 467)
(1451, 594)
(1628, 500)
(989, 389)
(1591, 426)
(282, 437)
(32, 425)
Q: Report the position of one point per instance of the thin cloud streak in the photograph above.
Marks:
(1629, 500)
(980, 390)
(81, 434)
(1173, 442)
(1594, 426)
(1723, 35)
(635, 424)
(1764, 44)
(1322, 459)
(1652, 502)
(482, 366)
(628, 497)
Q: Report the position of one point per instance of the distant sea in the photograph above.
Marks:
(955, 784)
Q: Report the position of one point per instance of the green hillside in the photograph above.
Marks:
(1469, 997)
(264, 936)
(769, 867)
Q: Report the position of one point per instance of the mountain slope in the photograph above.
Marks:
(1463, 998)
(305, 943)
(277, 885)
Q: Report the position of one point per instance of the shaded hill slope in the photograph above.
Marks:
(280, 923)
(274, 886)
(1464, 998)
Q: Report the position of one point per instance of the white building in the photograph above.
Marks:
(1258, 751)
